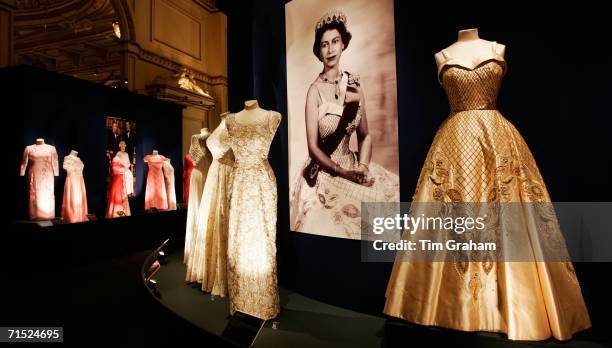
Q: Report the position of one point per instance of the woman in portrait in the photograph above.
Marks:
(124, 157)
(326, 198)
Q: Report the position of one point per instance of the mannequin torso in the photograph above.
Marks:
(469, 51)
(251, 113)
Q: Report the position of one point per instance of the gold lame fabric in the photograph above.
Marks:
(251, 243)
(479, 156)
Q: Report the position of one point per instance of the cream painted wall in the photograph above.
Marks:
(170, 34)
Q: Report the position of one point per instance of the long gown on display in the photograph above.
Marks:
(156, 195)
(332, 205)
(117, 199)
(169, 179)
(44, 167)
(202, 159)
(74, 201)
(187, 169)
(479, 156)
(251, 251)
(208, 262)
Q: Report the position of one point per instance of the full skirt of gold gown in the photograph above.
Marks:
(479, 156)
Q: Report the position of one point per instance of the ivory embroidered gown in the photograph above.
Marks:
(251, 244)
(201, 158)
(44, 167)
(169, 180)
(479, 156)
(74, 201)
(156, 195)
(208, 264)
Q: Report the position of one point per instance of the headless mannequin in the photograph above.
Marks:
(251, 113)
(40, 141)
(470, 50)
(204, 132)
(155, 153)
(73, 153)
(222, 116)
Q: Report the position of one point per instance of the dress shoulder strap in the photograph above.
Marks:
(323, 100)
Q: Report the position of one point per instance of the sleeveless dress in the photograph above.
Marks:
(156, 195)
(169, 181)
(479, 156)
(251, 243)
(201, 158)
(208, 263)
(74, 201)
(332, 207)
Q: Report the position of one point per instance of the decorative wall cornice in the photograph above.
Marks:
(175, 67)
(209, 5)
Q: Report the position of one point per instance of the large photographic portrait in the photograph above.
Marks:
(342, 111)
(121, 160)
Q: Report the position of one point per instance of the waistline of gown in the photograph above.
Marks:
(238, 165)
(483, 108)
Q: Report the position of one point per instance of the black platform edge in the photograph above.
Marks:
(47, 248)
(164, 319)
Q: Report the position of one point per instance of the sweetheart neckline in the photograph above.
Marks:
(449, 63)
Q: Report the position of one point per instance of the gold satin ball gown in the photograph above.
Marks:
(479, 156)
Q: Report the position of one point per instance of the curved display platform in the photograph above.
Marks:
(305, 322)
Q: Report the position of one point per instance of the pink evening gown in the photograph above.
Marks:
(74, 202)
(155, 194)
(43, 168)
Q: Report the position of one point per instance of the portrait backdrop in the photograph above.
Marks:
(371, 55)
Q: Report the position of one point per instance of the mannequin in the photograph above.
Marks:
(477, 155)
(251, 233)
(43, 167)
(74, 201)
(169, 181)
(201, 158)
(156, 195)
(208, 261)
(469, 51)
(251, 113)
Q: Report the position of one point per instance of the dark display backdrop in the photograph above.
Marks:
(556, 92)
(69, 114)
